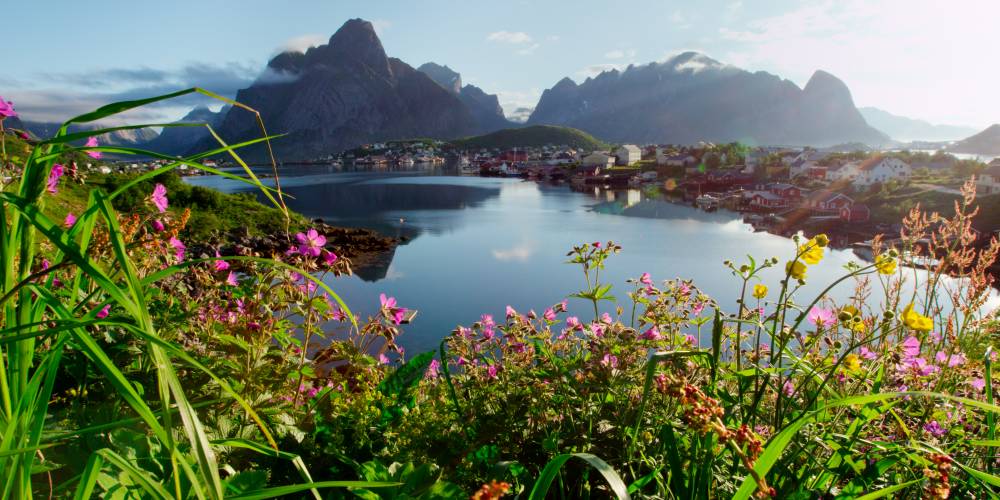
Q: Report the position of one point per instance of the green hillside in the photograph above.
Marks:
(533, 136)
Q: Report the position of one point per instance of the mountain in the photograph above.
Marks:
(692, 97)
(986, 142)
(132, 137)
(902, 128)
(181, 140)
(342, 94)
(533, 136)
(485, 108)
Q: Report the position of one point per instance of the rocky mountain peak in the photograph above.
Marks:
(444, 76)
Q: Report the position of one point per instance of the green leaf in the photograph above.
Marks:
(551, 470)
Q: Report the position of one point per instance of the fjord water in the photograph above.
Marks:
(477, 244)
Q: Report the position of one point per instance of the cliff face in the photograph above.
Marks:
(986, 142)
(345, 93)
(692, 97)
(181, 140)
(485, 108)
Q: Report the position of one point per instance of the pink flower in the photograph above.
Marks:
(821, 317)
(911, 347)
(597, 244)
(645, 279)
(953, 360)
(562, 306)
(383, 359)
(70, 220)
(311, 242)
(159, 197)
(510, 312)
(491, 371)
(788, 389)
(652, 334)
(158, 226)
(684, 289)
(866, 353)
(697, 308)
(597, 329)
(103, 313)
(54, 175)
(573, 323)
(609, 360)
(934, 428)
(7, 109)
(487, 321)
(389, 305)
(329, 258)
(231, 279)
(179, 247)
(978, 384)
(920, 366)
(92, 143)
(606, 319)
(549, 315)
(432, 370)
(690, 339)
(220, 265)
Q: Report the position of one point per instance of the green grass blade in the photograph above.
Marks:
(85, 488)
(884, 492)
(551, 470)
(298, 488)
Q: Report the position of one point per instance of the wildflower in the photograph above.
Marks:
(760, 291)
(885, 264)
(231, 279)
(821, 317)
(812, 252)
(911, 347)
(92, 143)
(866, 353)
(70, 220)
(158, 225)
(433, 369)
(609, 360)
(796, 269)
(7, 109)
(549, 315)
(916, 321)
(697, 308)
(606, 319)
(491, 491)
(329, 258)
(179, 247)
(562, 306)
(383, 359)
(573, 323)
(510, 312)
(852, 363)
(487, 321)
(645, 279)
(311, 242)
(788, 389)
(220, 265)
(159, 197)
(920, 366)
(952, 360)
(652, 334)
(389, 305)
(597, 329)
(978, 384)
(54, 175)
(103, 313)
(491, 371)
(934, 428)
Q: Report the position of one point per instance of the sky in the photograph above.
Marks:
(925, 59)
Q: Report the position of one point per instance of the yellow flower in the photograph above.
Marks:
(916, 321)
(796, 269)
(759, 291)
(852, 363)
(821, 240)
(811, 252)
(885, 264)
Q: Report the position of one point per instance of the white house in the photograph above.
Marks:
(598, 159)
(843, 172)
(880, 169)
(988, 182)
(628, 154)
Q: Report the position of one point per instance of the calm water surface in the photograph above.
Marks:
(478, 244)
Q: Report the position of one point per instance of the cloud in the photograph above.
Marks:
(381, 26)
(520, 115)
(520, 253)
(529, 49)
(620, 54)
(679, 20)
(302, 43)
(74, 93)
(512, 37)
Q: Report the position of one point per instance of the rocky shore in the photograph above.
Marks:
(364, 247)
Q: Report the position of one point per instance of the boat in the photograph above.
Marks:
(707, 202)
